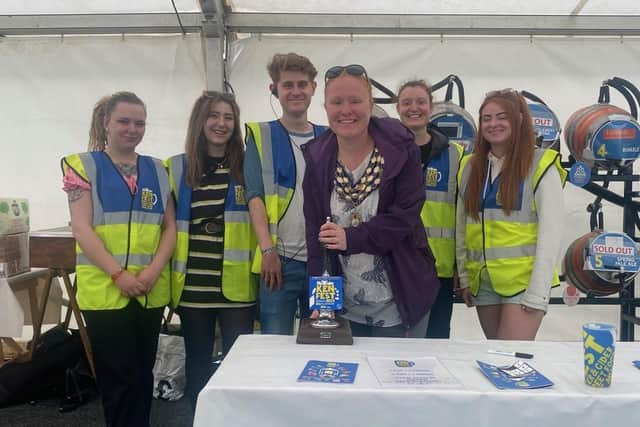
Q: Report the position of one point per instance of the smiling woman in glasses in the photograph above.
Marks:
(364, 173)
(507, 228)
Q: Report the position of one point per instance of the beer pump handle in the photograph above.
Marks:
(326, 263)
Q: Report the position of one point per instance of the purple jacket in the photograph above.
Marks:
(396, 232)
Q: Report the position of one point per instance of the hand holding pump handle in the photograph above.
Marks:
(325, 296)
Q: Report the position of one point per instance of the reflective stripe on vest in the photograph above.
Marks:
(279, 165)
(506, 244)
(130, 226)
(439, 210)
(238, 284)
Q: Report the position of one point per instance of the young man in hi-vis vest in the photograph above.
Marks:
(273, 170)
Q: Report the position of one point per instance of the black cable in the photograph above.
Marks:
(184, 33)
(284, 251)
(460, 90)
(603, 96)
(532, 97)
(382, 88)
(449, 93)
(631, 87)
(626, 93)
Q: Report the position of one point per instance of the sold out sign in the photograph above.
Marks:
(613, 250)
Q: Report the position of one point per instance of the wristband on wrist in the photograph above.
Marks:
(267, 250)
(115, 276)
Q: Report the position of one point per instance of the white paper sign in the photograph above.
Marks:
(11, 314)
(415, 372)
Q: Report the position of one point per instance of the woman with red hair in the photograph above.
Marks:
(507, 228)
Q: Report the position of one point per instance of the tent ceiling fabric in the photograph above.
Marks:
(46, 7)
(436, 7)
(439, 7)
(292, 23)
(400, 17)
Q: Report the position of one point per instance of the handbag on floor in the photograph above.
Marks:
(169, 376)
(58, 371)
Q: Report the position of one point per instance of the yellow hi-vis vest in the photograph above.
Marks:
(278, 172)
(130, 226)
(439, 210)
(506, 244)
(238, 284)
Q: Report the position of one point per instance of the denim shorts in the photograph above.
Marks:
(487, 296)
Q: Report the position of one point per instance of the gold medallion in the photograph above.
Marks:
(356, 219)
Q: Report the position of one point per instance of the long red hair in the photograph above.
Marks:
(518, 159)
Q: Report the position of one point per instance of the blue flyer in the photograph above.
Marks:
(320, 371)
(518, 376)
(636, 363)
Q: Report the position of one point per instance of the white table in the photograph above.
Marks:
(256, 386)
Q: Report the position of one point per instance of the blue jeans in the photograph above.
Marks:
(278, 307)
(441, 311)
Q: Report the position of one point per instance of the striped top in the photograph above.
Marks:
(203, 283)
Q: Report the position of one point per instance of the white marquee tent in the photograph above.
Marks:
(57, 58)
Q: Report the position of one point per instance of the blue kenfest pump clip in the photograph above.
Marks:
(325, 294)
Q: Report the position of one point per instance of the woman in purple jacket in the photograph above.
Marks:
(365, 174)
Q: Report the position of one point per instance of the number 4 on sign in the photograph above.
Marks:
(602, 151)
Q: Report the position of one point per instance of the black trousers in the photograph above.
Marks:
(124, 344)
(198, 329)
(440, 317)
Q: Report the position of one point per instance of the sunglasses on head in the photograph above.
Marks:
(501, 92)
(225, 96)
(355, 70)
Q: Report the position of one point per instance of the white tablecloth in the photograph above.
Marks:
(256, 386)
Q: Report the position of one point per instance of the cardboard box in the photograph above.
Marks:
(14, 215)
(53, 312)
(14, 254)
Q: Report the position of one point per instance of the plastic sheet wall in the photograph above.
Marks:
(49, 86)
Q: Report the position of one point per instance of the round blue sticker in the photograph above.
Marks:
(580, 174)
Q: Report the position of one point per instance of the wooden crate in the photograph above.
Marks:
(14, 254)
(53, 248)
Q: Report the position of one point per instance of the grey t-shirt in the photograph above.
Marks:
(291, 231)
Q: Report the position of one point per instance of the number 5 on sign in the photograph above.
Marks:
(598, 259)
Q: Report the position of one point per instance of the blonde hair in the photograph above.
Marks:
(102, 111)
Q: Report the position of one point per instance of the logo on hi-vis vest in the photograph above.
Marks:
(148, 198)
(433, 177)
(239, 191)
